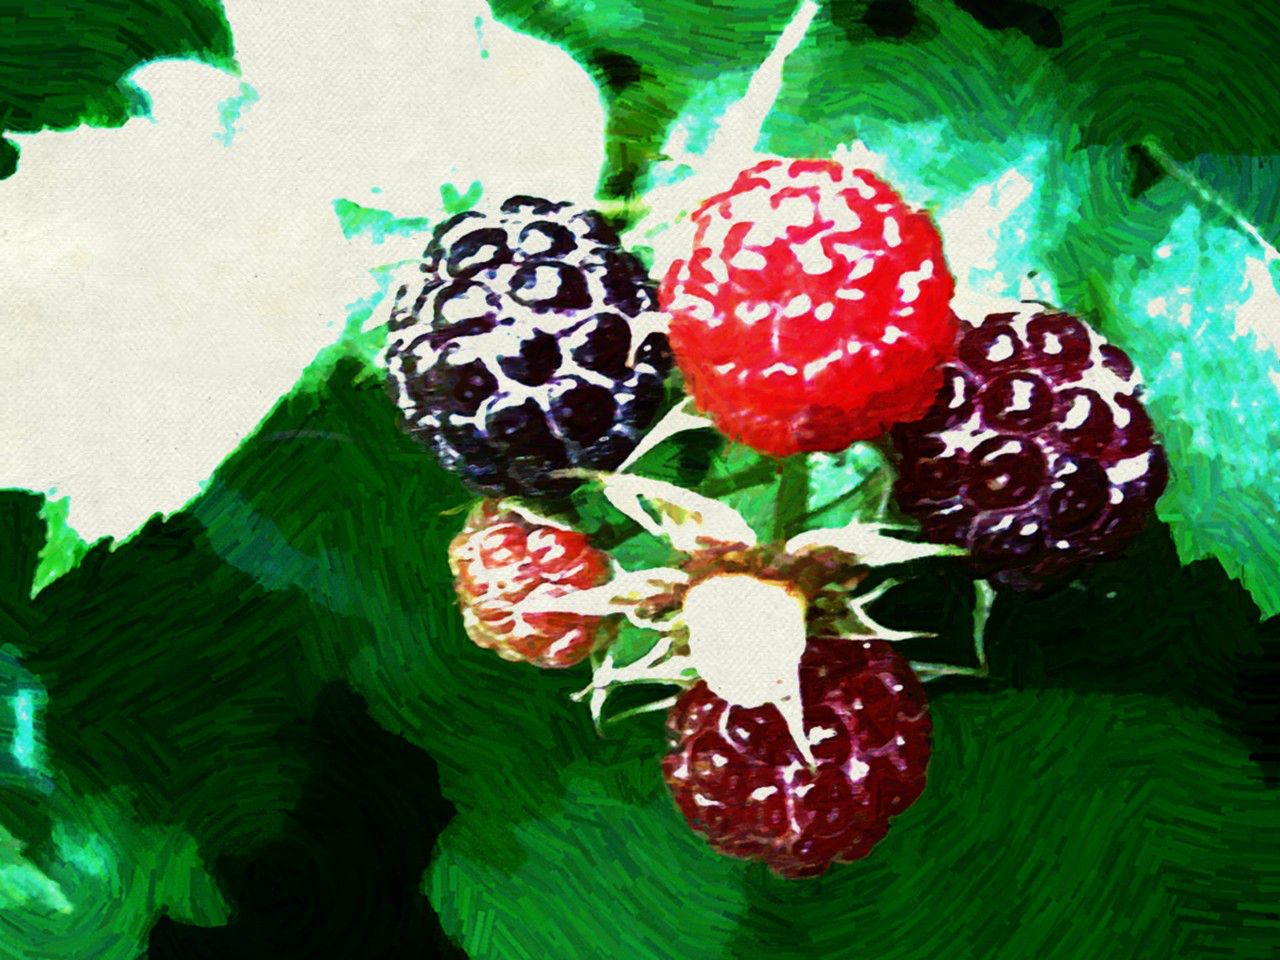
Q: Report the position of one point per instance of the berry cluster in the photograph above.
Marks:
(813, 311)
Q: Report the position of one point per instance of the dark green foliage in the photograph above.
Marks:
(268, 735)
(61, 60)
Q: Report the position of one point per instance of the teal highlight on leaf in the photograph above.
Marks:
(23, 747)
(1194, 319)
(85, 851)
(23, 885)
(230, 111)
(23, 700)
(356, 219)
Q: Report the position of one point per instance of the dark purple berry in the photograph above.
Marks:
(481, 249)
(544, 238)
(605, 346)
(1038, 456)
(520, 429)
(514, 357)
(1006, 541)
(1079, 495)
(1117, 361)
(526, 206)
(1085, 421)
(550, 286)
(583, 412)
(1058, 341)
(462, 388)
(459, 309)
(655, 352)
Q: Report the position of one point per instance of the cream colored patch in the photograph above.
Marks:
(163, 289)
(746, 638)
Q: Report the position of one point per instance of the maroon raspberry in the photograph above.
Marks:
(739, 779)
(1037, 455)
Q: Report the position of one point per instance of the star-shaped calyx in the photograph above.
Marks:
(732, 610)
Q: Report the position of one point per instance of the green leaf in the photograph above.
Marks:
(606, 870)
(355, 219)
(791, 501)
(97, 883)
(684, 458)
(642, 551)
(1200, 318)
(854, 484)
(632, 643)
(63, 548)
(748, 482)
(955, 867)
(190, 673)
(614, 834)
(23, 533)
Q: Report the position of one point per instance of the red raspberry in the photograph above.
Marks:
(814, 310)
(738, 778)
(1037, 455)
(498, 560)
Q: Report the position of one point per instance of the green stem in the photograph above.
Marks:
(883, 445)
(1176, 170)
(793, 496)
(883, 475)
(984, 598)
(756, 475)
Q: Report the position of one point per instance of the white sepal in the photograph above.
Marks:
(658, 666)
(746, 638)
(687, 520)
(868, 542)
(678, 420)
